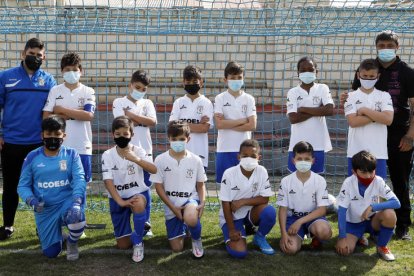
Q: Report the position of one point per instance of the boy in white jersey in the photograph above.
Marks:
(74, 102)
(196, 110)
(362, 208)
(369, 111)
(142, 113)
(306, 106)
(122, 170)
(302, 201)
(235, 118)
(179, 183)
(244, 195)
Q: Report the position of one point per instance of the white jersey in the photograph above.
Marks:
(128, 177)
(184, 109)
(350, 198)
(302, 198)
(236, 186)
(143, 107)
(314, 130)
(178, 178)
(233, 108)
(358, 136)
(78, 133)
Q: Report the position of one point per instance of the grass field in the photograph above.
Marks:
(21, 255)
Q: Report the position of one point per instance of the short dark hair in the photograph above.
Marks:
(53, 123)
(306, 58)
(141, 76)
(233, 68)
(70, 59)
(122, 121)
(34, 43)
(387, 35)
(302, 147)
(177, 128)
(369, 64)
(364, 161)
(192, 72)
(250, 143)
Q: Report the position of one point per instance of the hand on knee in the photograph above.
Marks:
(139, 203)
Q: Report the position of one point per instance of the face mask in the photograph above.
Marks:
(33, 62)
(307, 77)
(303, 166)
(235, 85)
(122, 141)
(192, 89)
(386, 55)
(177, 146)
(52, 143)
(71, 77)
(249, 163)
(137, 95)
(368, 84)
(365, 181)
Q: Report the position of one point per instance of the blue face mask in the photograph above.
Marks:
(235, 85)
(71, 77)
(386, 55)
(137, 95)
(178, 146)
(307, 77)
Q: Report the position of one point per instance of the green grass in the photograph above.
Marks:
(99, 257)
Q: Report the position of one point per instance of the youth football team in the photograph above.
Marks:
(54, 176)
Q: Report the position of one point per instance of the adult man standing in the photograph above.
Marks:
(23, 94)
(397, 78)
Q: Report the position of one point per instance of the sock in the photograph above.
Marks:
(236, 254)
(148, 208)
(75, 231)
(196, 231)
(267, 220)
(384, 235)
(139, 223)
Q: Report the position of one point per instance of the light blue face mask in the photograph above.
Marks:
(235, 85)
(178, 146)
(71, 77)
(307, 77)
(303, 166)
(137, 95)
(386, 55)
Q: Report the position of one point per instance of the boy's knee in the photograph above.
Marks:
(139, 205)
(176, 248)
(389, 216)
(238, 252)
(53, 250)
(323, 233)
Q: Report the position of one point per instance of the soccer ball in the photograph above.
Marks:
(332, 208)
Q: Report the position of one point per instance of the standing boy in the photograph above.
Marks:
(52, 182)
(302, 200)
(196, 110)
(179, 183)
(235, 118)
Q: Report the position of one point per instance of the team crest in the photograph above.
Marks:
(41, 81)
(254, 187)
(314, 197)
(63, 165)
(244, 108)
(190, 173)
(131, 169)
(316, 100)
(145, 110)
(81, 102)
(378, 106)
(375, 199)
(200, 109)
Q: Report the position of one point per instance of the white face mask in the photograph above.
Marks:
(249, 163)
(303, 166)
(368, 84)
(307, 77)
(71, 77)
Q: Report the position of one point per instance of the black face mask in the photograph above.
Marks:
(122, 141)
(192, 89)
(33, 62)
(52, 143)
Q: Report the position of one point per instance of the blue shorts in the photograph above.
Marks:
(304, 230)
(225, 160)
(87, 166)
(147, 178)
(245, 226)
(358, 229)
(381, 169)
(121, 216)
(317, 167)
(177, 228)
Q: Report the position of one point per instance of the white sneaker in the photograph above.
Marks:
(149, 234)
(198, 250)
(72, 252)
(385, 253)
(138, 254)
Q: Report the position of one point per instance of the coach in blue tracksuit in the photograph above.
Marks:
(23, 94)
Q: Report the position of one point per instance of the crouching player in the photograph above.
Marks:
(52, 182)
(179, 183)
(123, 175)
(302, 201)
(362, 209)
(244, 195)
